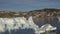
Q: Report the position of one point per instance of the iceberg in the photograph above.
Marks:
(46, 27)
(22, 23)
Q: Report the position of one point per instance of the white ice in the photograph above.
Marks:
(21, 22)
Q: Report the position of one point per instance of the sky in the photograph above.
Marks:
(28, 5)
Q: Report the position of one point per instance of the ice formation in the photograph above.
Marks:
(21, 22)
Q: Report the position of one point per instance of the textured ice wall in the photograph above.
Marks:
(16, 23)
(21, 23)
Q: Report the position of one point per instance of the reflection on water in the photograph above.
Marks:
(46, 20)
(55, 22)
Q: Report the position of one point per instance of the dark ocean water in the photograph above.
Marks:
(58, 28)
(20, 31)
